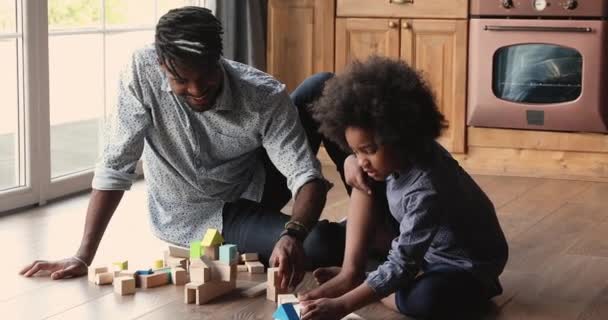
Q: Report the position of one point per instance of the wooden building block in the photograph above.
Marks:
(200, 273)
(201, 293)
(124, 285)
(272, 277)
(211, 252)
(225, 272)
(228, 254)
(195, 249)
(242, 268)
(104, 278)
(212, 238)
(286, 312)
(257, 290)
(179, 276)
(250, 257)
(273, 292)
(255, 266)
(93, 271)
(175, 261)
(178, 252)
(121, 265)
(287, 298)
(158, 264)
(124, 273)
(154, 280)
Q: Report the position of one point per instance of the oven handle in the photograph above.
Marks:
(538, 29)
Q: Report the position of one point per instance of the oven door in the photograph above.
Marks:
(537, 74)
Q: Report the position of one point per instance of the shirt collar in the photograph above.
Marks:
(223, 101)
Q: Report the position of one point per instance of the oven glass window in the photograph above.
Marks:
(537, 73)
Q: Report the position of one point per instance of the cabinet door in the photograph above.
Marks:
(300, 39)
(359, 38)
(437, 48)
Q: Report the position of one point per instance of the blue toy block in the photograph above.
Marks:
(144, 272)
(286, 311)
(228, 254)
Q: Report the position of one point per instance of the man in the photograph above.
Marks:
(215, 132)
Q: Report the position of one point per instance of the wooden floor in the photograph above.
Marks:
(558, 265)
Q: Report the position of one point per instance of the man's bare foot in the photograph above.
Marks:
(334, 283)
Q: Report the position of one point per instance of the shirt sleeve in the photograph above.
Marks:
(417, 230)
(124, 134)
(285, 141)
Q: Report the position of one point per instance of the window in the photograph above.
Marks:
(50, 135)
(12, 163)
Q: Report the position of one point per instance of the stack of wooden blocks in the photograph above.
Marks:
(213, 269)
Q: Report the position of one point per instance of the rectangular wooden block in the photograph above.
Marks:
(93, 271)
(190, 292)
(287, 298)
(176, 262)
(154, 280)
(255, 266)
(250, 257)
(257, 290)
(242, 268)
(212, 252)
(273, 277)
(273, 292)
(104, 278)
(178, 252)
(225, 272)
(124, 285)
(200, 273)
(211, 290)
(179, 276)
(124, 273)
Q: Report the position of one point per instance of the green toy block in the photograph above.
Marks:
(195, 249)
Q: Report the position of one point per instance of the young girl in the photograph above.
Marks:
(449, 250)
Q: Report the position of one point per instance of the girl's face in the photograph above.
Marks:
(378, 161)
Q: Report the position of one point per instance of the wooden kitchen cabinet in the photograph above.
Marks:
(300, 39)
(437, 48)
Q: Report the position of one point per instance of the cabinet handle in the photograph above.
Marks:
(392, 24)
(405, 25)
(401, 1)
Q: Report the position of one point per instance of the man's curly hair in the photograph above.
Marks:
(383, 95)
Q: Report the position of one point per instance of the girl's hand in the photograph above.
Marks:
(354, 175)
(322, 309)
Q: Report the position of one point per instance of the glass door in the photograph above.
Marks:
(61, 61)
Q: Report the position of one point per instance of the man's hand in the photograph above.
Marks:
(59, 269)
(288, 255)
(354, 175)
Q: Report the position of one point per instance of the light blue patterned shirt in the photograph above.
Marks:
(195, 162)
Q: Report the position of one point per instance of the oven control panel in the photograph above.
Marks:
(540, 8)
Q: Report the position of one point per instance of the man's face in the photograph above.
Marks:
(200, 86)
(378, 161)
